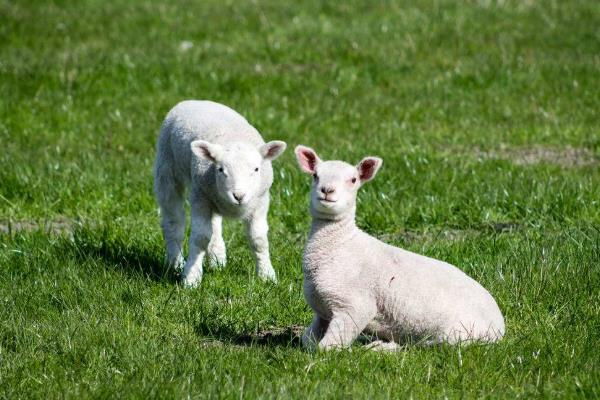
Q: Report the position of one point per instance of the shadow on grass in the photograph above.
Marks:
(116, 253)
(274, 337)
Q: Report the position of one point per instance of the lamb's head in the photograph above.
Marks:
(238, 167)
(335, 183)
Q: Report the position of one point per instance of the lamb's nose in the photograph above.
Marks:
(239, 196)
(327, 190)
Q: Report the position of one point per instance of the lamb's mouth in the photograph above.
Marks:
(327, 201)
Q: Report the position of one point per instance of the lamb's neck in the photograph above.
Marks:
(325, 233)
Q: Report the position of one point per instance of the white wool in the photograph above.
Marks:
(214, 151)
(356, 283)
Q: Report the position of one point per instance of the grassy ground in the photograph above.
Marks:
(486, 116)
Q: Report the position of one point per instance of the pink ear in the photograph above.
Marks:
(368, 167)
(273, 149)
(208, 151)
(307, 158)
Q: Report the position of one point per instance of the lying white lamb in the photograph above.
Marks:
(212, 149)
(356, 283)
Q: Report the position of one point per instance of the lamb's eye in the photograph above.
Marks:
(315, 176)
(353, 180)
(256, 169)
(220, 169)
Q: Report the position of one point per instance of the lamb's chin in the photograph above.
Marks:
(325, 211)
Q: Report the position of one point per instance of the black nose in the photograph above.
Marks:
(326, 190)
(238, 196)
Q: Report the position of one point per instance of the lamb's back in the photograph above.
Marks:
(427, 293)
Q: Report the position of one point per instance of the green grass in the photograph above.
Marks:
(449, 94)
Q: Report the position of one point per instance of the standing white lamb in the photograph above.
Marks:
(223, 159)
(355, 283)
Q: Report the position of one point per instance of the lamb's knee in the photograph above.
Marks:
(200, 240)
(258, 235)
(216, 244)
(173, 225)
(201, 228)
(166, 187)
(172, 215)
(259, 244)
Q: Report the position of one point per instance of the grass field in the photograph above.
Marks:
(487, 116)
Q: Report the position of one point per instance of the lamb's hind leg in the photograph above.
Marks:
(169, 195)
(314, 333)
(216, 247)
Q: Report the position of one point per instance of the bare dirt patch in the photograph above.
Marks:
(60, 226)
(566, 156)
(449, 234)
(267, 337)
(411, 236)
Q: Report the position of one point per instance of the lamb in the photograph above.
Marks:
(225, 162)
(355, 283)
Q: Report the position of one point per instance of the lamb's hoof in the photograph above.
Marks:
(217, 256)
(268, 276)
(178, 264)
(380, 345)
(217, 262)
(191, 283)
(334, 347)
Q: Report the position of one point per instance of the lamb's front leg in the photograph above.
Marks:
(344, 328)
(216, 247)
(381, 345)
(199, 239)
(256, 230)
(314, 333)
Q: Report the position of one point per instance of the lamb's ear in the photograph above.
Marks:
(208, 151)
(307, 158)
(272, 150)
(368, 167)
